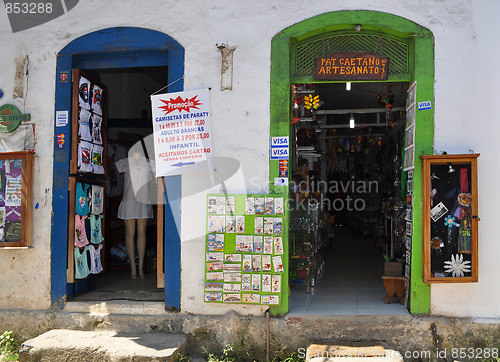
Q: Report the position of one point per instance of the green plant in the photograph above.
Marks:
(9, 346)
(226, 356)
(181, 358)
(281, 356)
(386, 257)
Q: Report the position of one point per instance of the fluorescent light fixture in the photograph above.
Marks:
(348, 86)
(351, 121)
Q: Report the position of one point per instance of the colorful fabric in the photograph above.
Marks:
(95, 259)
(82, 199)
(96, 229)
(96, 199)
(81, 239)
(81, 263)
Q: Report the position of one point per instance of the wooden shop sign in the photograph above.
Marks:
(351, 66)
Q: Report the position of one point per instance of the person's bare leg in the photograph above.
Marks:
(141, 243)
(129, 243)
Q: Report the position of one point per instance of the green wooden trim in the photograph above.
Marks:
(422, 68)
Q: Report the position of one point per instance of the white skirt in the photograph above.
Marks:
(133, 209)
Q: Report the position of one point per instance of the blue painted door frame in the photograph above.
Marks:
(121, 47)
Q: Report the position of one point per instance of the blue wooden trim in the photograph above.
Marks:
(120, 39)
(59, 239)
(172, 221)
(112, 48)
(122, 60)
(172, 246)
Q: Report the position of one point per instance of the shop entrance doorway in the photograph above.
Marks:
(127, 127)
(133, 61)
(347, 214)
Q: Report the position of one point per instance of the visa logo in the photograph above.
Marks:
(279, 154)
(424, 105)
(279, 142)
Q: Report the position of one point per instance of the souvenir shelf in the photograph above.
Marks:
(246, 249)
(86, 204)
(89, 117)
(86, 182)
(16, 218)
(450, 220)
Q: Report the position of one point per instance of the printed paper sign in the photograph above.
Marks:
(182, 130)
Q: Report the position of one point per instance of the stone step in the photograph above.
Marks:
(354, 352)
(72, 345)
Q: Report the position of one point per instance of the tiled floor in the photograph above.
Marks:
(118, 285)
(351, 282)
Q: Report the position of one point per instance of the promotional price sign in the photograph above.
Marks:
(182, 130)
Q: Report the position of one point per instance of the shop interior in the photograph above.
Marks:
(129, 120)
(347, 209)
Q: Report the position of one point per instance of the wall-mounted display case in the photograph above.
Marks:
(450, 218)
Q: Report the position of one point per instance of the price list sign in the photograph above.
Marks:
(182, 130)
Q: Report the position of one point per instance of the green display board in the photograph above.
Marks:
(246, 250)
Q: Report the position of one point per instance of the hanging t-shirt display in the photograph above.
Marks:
(84, 120)
(80, 234)
(96, 99)
(89, 118)
(95, 259)
(96, 199)
(82, 199)
(96, 129)
(97, 165)
(96, 229)
(84, 93)
(81, 263)
(85, 156)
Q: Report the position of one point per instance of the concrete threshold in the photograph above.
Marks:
(72, 345)
(117, 307)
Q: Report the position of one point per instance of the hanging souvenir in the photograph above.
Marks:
(457, 266)
(96, 129)
(96, 229)
(85, 156)
(97, 157)
(82, 206)
(96, 100)
(84, 121)
(436, 245)
(95, 259)
(211, 242)
(96, 199)
(81, 263)
(84, 93)
(232, 298)
(449, 222)
(465, 200)
(465, 233)
(232, 277)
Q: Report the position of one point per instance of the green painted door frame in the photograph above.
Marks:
(421, 70)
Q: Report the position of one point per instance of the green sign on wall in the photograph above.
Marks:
(10, 118)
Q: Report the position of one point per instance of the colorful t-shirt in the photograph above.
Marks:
(95, 259)
(85, 156)
(80, 234)
(96, 229)
(97, 159)
(96, 199)
(84, 121)
(81, 263)
(82, 199)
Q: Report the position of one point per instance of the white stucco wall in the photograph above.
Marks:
(465, 91)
